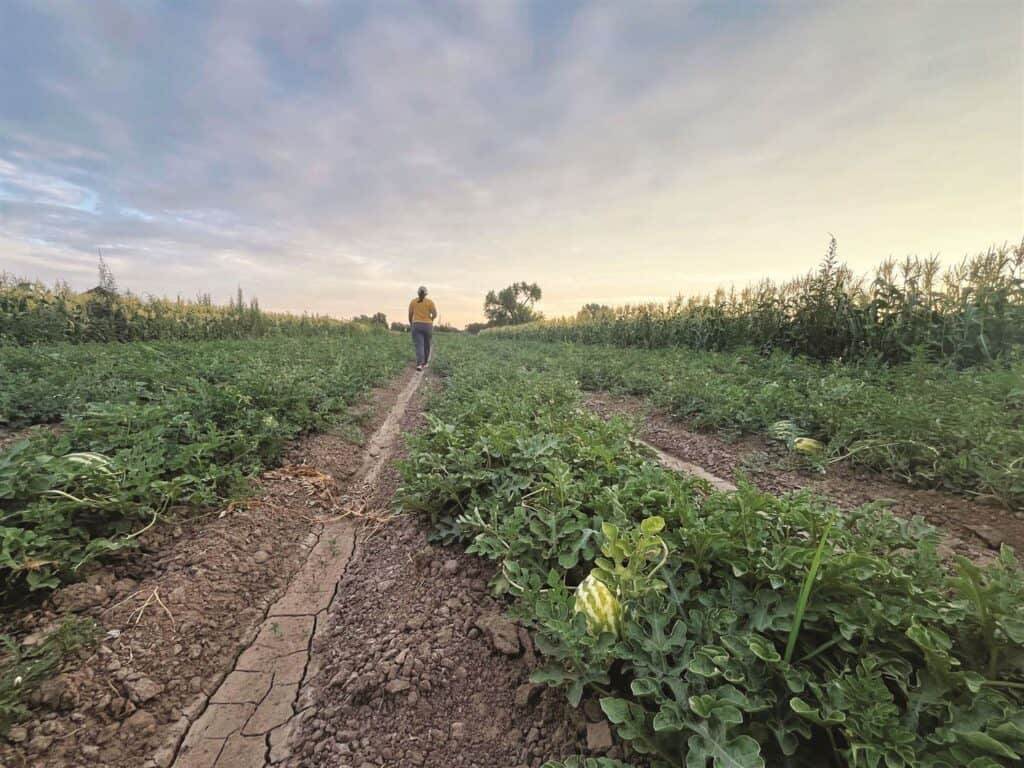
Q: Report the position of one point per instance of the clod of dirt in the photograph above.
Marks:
(599, 737)
(993, 537)
(164, 756)
(139, 726)
(527, 694)
(56, 692)
(397, 686)
(500, 633)
(79, 597)
(143, 689)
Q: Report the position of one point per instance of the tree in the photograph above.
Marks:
(512, 305)
(593, 311)
(377, 319)
(107, 282)
(475, 328)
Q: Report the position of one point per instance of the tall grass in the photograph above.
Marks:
(969, 313)
(31, 312)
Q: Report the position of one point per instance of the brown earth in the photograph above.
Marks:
(10, 436)
(176, 612)
(419, 666)
(972, 527)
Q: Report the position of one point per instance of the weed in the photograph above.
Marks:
(23, 668)
(972, 313)
(31, 313)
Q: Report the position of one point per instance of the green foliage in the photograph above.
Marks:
(594, 312)
(969, 314)
(31, 313)
(376, 319)
(512, 305)
(23, 668)
(149, 426)
(892, 660)
(630, 559)
(925, 424)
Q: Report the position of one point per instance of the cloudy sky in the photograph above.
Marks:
(330, 156)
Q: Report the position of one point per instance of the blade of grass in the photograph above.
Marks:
(805, 594)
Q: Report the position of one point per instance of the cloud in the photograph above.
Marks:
(330, 157)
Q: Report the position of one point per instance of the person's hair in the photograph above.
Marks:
(422, 292)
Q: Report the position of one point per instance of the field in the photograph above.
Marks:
(485, 556)
(141, 429)
(749, 629)
(928, 425)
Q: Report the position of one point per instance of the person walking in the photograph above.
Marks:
(422, 314)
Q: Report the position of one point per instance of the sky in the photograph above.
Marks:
(331, 156)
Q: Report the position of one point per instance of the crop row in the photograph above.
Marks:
(745, 630)
(146, 427)
(31, 313)
(970, 313)
(929, 425)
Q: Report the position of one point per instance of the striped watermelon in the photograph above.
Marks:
(808, 445)
(600, 605)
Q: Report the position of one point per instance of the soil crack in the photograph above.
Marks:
(249, 718)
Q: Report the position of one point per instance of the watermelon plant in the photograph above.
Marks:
(145, 429)
(749, 630)
(23, 668)
(922, 423)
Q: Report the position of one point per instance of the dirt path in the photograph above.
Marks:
(422, 668)
(972, 528)
(249, 718)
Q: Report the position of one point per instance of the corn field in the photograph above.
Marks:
(31, 312)
(966, 314)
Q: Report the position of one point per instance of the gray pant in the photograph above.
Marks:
(421, 333)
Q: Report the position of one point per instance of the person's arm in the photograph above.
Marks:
(410, 313)
(433, 311)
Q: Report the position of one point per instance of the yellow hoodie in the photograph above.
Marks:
(422, 311)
